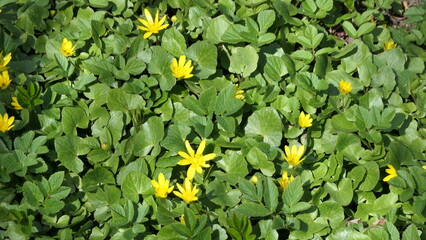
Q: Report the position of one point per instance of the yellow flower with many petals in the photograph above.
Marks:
(293, 156)
(197, 161)
(16, 104)
(305, 120)
(162, 186)
(389, 45)
(181, 69)
(150, 25)
(392, 173)
(344, 87)
(238, 92)
(67, 49)
(4, 80)
(4, 61)
(187, 192)
(6, 122)
(284, 181)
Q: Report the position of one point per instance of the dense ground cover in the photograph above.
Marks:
(202, 119)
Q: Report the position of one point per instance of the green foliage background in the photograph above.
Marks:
(99, 125)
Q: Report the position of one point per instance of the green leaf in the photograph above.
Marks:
(96, 177)
(118, 100)
(266, 123)
(217, 192)
(270, 194)
(32, 194)
(275, 68)
(265, 19)
(259, 160)
(174, 42)
(149, 137)
(73, 117)
(243, 60)
(252, 210)
(343, 193)
(216, 29)
(67, 148)
(136, 183)
(160, 65)
(204, 55)
(293, 193)
(350, 29)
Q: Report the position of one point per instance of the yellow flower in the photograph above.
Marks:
(4, 80)
(238, 92)
(182, 219)
(389, 45)
(4, 61)
(162, 186)
(187, 192)
(392, 173)
(181, 69)
(344, 87)
(284, 181)
(196, 160)
(151, 26)
(254, 179)
(67, 49)
(6, 122)
(16, 104)
(305, 120)
(293, 156)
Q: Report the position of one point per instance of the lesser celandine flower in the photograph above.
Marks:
(4, 61)
(305, 120)
(6, 122)
(197, 161)
(344, 87)
(284, 181)
(162, 186)
(67, 49)
(293, 156)
(16, 104)
(150, 25)
(187, 192)
(181, 69)
(389, 45)
(392, 173)
(238, 92)
(4, 80)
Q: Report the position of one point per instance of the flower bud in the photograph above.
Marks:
(254, 179)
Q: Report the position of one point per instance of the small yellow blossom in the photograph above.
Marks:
(150, 25)
(344, 87)
(67, 49)
(4, 61)
(187, 192)
(389, 45)
(305, 120)
(6, 122)
(392, 173)
(16, 104)
(238, 92)
(181, 69)
(284, 181)
(104, 146)
(162, 186)
(254, 179)
(174, 18)
(4, 80)
(197, 161)
(182, 219)
(293, 156)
